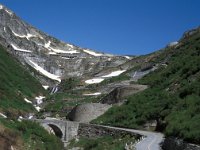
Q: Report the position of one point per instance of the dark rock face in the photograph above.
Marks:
(177, 144)
(31, 46)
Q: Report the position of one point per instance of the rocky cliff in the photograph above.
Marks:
(51, 59)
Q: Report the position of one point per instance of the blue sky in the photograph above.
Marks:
(114, 26)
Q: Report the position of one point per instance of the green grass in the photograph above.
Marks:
(16, 83)
(173, 98)
(32, 134)
(102, 143)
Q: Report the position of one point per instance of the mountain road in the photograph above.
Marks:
(149, 141)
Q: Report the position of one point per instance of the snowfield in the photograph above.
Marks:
(44, 72)
(92, 53)
(19, 49)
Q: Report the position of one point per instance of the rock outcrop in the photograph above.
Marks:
(119, 94)
(87, 112)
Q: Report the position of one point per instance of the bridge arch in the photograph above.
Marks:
(65, 130)
(56, 130)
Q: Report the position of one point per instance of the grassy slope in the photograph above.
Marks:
(173, 98)
(15, 84)
(102, 143)
(27, 135)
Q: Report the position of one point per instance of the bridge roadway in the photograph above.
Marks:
(67, 130)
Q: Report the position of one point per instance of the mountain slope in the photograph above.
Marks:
(16, 85)
(54, 59)
(173, 97)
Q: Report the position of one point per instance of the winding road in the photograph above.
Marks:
(149, 141)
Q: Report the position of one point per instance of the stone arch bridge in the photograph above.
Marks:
(65, 130)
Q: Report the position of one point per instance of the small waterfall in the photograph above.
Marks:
(54, 89)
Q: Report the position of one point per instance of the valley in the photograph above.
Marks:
(55, 95)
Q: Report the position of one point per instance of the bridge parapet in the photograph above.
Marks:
(66, 130)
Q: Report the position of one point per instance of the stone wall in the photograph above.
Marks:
(94, 131)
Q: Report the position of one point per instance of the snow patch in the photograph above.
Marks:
(8, 11)
(39, 99)
(44, 72)
(30, 117)
(20, 118)
(100, 79)
(92, 53)
(28, 36)
(109, 59)
(47, 45)
(113, 74)
(26, 100)
(45, 87)
(52, 53)
(127, 57)
(92, 94)
(64, 51)
(173, 43)
(93, 81)
(2, 115)
(37, 108)
(71, 46)
(21, 36)
(65, 58)
(20, 49)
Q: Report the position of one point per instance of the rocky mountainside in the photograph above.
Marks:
(53, 59)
